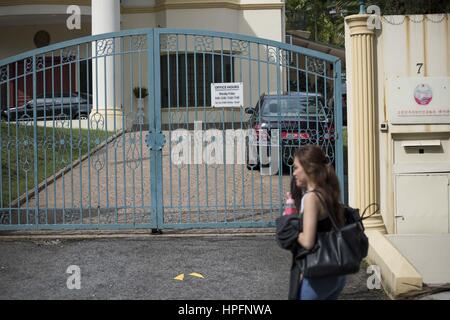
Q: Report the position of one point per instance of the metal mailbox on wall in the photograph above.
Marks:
(421, 163)
(421, 184)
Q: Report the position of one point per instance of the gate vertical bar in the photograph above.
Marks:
(338, 125)
(36, 192)
(1, 150)
(157, 153)
(154, 112)
(151, 123)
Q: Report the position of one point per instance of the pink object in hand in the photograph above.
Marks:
(289, 208)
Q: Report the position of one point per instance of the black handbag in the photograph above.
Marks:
(339, 251)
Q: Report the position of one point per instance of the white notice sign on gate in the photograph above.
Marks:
(230, 94)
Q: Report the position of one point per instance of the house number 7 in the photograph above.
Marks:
(420, 65)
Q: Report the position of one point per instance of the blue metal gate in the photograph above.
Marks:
(120, 130)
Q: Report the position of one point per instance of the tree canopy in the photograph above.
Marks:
(324, 19)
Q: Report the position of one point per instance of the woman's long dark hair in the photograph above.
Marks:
(314, 162)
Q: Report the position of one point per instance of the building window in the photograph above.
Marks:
(188, 82)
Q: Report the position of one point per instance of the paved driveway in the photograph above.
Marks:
(119, 176)
(234, 267)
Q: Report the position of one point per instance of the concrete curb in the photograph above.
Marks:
(398, 276)
(133, 234)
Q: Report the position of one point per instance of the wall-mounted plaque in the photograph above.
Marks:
(418, 100)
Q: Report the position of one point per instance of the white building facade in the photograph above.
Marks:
(21, 20)
(28, 25)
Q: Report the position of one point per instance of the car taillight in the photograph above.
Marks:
(304, 135)
(294, 135)
(260, 132)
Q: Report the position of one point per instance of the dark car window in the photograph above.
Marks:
(293, 107)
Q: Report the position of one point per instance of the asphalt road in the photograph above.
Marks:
(233, 267)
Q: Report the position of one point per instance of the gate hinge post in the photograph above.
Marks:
(155, 140)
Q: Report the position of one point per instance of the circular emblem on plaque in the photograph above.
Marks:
(423, 94)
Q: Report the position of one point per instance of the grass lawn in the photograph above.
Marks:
(56, 149)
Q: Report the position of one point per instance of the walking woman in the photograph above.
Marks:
(315, 187)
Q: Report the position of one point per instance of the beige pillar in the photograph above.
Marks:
(106, 112)
(363, 131)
